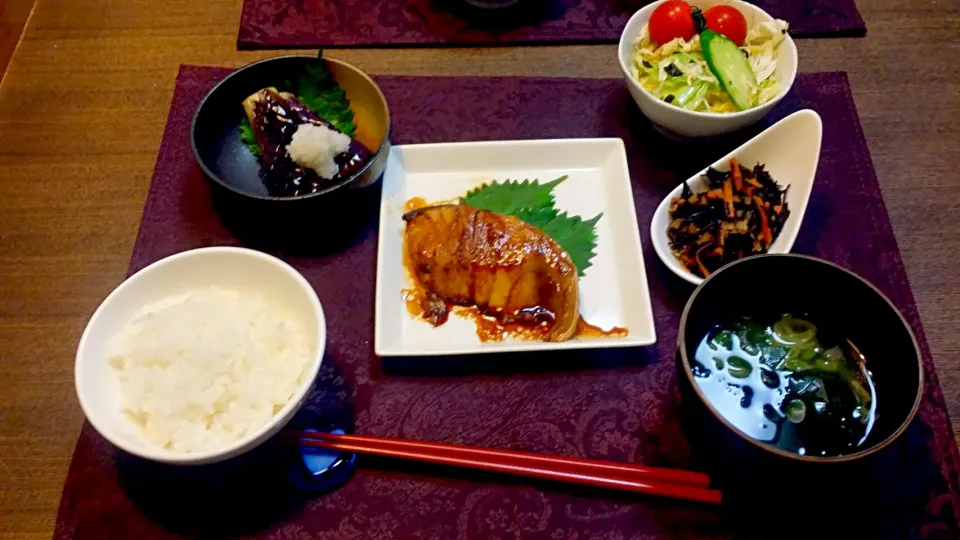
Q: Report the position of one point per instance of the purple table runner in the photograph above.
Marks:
(617, 405)
(266, 24)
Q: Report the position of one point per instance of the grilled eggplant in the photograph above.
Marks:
(274, 117)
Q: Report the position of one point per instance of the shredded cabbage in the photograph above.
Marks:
(677, 73)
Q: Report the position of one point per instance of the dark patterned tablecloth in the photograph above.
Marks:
(613, 404)
(266, 24)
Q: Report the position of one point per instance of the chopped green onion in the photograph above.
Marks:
(738, 367)
(794, 331)
(796, 411)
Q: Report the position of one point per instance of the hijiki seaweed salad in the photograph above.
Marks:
(741, 214)
(303, 133)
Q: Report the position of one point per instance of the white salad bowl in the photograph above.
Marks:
(790, 151)
(98, 384)
(681, 122)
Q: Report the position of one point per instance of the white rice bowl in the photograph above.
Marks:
(201, 356)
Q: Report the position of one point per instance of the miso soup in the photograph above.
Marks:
(776, 382)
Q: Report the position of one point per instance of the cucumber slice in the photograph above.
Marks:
(731, 67)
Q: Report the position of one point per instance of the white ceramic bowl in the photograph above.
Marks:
(98, 386)
(684, 123)
(790, 150)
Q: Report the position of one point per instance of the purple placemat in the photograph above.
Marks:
(617, 405)
(267, 24)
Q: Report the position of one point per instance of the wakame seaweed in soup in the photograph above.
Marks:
(780, 385)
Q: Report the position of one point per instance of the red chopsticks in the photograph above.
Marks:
(590, 472)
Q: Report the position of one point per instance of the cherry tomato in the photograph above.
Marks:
(727, 21)
(671, 20)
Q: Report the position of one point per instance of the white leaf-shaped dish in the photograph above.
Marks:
(790, 150)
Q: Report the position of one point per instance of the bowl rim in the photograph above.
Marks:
(240, 446)
(384, 143)
(681, 351)
(625, 70)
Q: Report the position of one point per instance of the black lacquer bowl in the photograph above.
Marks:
(215, 135)
(240, 194)
(765, 287)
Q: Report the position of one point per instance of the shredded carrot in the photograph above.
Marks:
(728, 197)
(735, 172)
(748, 191)
(703, 269)
(753, 182)
(714, 194)
(777, 208)
(764, 222)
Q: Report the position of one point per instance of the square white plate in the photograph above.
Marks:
(612, 293)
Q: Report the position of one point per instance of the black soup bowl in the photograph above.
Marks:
(842, 305)
(332, 214)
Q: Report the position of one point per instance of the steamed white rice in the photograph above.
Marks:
(202, 370)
